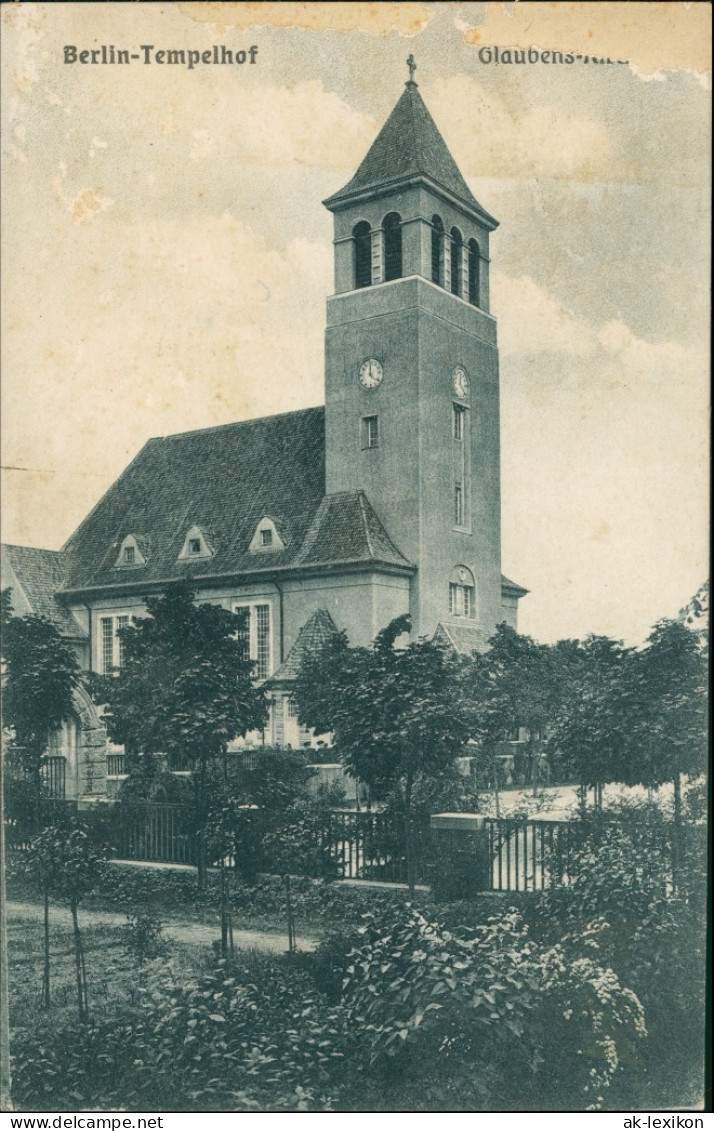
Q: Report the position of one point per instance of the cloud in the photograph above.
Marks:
(486, 136)
(605, 466)
(536, 322)
(227, 341)
(302, 124)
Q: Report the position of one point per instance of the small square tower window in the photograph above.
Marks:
(370, 432)
(194, 545)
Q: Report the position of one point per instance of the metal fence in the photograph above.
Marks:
(53, 773)
(372, 846)
(153, 832)
(523, 855)
(529, 855)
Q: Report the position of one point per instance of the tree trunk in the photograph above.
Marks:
(46, 953)
(496, 790)
(677, 832)
(582, 798)
(36, 791)
(409, 835)
(80, 971)
(224, 911)
(200, 803)
(290, 917)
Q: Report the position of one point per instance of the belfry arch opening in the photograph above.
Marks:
(362, 236)
(457, 242)
(392, 225)
(474, 264)
(437, 250)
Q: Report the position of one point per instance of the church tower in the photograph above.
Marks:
(412, 394)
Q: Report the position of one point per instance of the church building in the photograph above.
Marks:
(385, 501)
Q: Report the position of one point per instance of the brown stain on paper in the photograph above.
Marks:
(375, 18)
(651, 36)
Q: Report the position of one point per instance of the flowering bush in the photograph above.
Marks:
(488, 1013)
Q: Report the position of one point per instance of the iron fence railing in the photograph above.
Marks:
(373, 846)
(523, 855)
(53, 772)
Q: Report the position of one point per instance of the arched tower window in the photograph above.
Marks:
(392, 225)
(437, 250)
(363, 254)
(456, 245)
(462, 593)
(474, 263)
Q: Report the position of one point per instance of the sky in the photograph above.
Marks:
(166, 260)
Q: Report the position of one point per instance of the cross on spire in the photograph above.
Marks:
(411, 63)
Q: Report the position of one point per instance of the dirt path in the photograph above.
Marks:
(196, 934)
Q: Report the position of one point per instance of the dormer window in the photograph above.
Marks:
(266, 537)
(195, 546)
(132, 553)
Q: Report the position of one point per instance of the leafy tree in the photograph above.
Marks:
(590, 728)
(512, 686)
(41, 675)
(185, 690)
(395, 713)
(668, 715)
(266, 817)
(65, 866)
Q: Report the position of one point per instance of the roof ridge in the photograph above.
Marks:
(32, 549)
(238, 423)
(313, 530)
(365, 521)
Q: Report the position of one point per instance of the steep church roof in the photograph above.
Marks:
(346, 526)
(222, 482)
(409, 145)
(316, 632)
(34, 576)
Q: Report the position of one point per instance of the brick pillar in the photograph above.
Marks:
(461, 852)
(464, 273)
(446, 253)
(377, 255)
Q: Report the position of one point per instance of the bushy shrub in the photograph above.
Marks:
(622, 899)
(223, 1043)
(143, 936)
(478, 1014)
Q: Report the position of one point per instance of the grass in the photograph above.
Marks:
(174, 896)
(111, 970)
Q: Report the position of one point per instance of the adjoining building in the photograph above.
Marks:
(382, 502)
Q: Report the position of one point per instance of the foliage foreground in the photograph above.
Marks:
(579, 1003)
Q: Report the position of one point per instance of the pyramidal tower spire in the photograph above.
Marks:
(411, 368)
(409, 149)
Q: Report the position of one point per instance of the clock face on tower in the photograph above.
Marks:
(460, 382)
(371, 373)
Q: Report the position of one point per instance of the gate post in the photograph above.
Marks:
(461, 855)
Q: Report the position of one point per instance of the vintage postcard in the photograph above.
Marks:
(355, 556)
